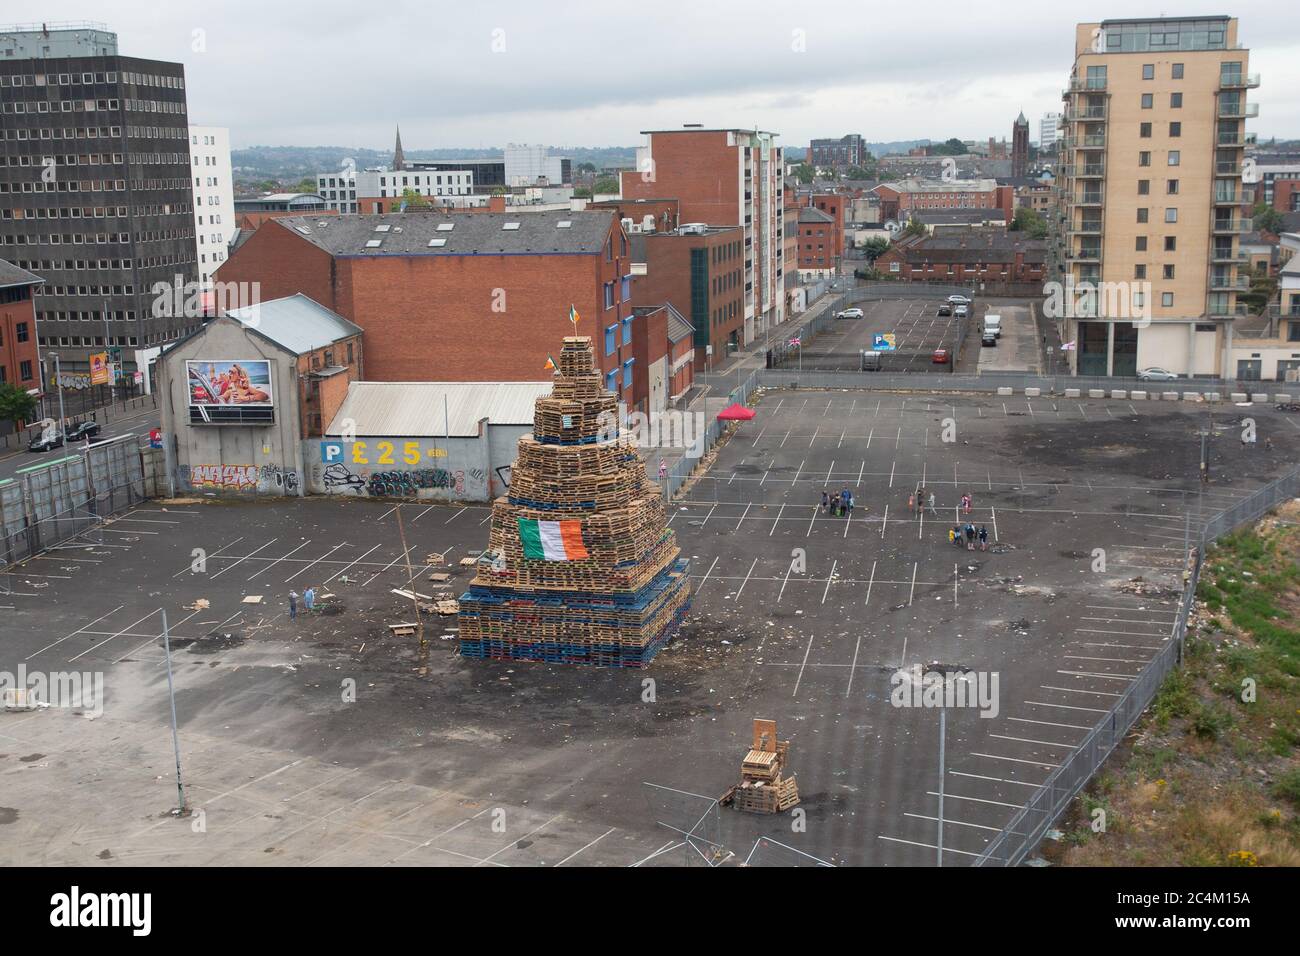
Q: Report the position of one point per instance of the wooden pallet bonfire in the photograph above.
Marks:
(762, 788)
(581, 567)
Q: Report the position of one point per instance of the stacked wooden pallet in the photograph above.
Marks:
(619, 589)
(763, 788)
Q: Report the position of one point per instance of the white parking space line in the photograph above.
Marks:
(806, 652)
(957, 796)
(587, 847)
(1037, 763)
(1048, 723)
(949, 822)
(244, 558)
(1080, 690)
(980, 776)
(1043, 703)
(930, 846)
(742, 517)
(79, 630)
(316, 562)
(278, 560)
(746, 581)
(118, 634)
(346, 567)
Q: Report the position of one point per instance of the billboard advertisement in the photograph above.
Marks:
(98, 368)
(243, 383)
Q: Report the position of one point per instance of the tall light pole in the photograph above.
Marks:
(176, 744)
(58, 377)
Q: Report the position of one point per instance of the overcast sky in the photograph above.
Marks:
(343, 73)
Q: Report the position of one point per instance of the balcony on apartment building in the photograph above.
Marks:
(1226, 280)
(1227, 254)
(1232, 140)
(1239, 81)
(1217, 306)
(1237, 110)
(1226, 225)
(1089, 197)
(1087, 252)
(1085, 112)
(1088, 84)
(1087, 226)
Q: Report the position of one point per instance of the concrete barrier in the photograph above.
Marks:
(1118, 393)
(1281, 397)
(1213, 397)
(1071, 393)
(1096, 393)
(1033, 392)
(1239, 397)
(1191, 396)
(1169, 396)
(1138, 395)
(1005, 390)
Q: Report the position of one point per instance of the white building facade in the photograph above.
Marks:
(1049, 130)
(344, 189)
(214, 198)
(528, 165)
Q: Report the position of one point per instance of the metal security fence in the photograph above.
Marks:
(682, 468)
(788, 377)
(1025, 831)
(47, 504)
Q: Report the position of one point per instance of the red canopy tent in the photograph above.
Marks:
(736, 413)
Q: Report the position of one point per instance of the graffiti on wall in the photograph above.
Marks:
(224, 477)
(274, 480)
(503, 473)
(338, 478)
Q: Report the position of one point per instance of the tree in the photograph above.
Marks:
(307, 185)
(605, 184)
(874, 247)
(15, 404)
(414, 200)
(586, 167)
(803, 173)
(581, 192)
(951, 147)
(1268, 219)
(861, 172)
(914, 228)
(1029, 221)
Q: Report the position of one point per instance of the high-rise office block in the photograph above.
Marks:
(1152, 198)
(95, 189)
(214, 197)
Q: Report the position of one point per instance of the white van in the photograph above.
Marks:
(993, 323)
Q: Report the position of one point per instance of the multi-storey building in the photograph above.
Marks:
(725, 177)
(850, 150)
(214, 197)
(20, 357)
(1049, 128)
(529, 165)
(347, 190)
(897, 199)
(1152, 198)
(95, 190)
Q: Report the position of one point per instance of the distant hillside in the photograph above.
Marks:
(290, 164)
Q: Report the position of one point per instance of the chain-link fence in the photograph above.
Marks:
(44, 505)
(1025, 831)
(790, 377)
(681, 469)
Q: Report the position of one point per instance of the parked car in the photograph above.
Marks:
(1156, 374)
(989, 338)
(945, 309)
(44, 444)
(959, 300)
(961, 311)
(83, 430)
(849, 314)
(939, 357)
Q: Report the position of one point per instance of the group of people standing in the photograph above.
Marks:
(308, 600)
(840, 504)
(968, 533)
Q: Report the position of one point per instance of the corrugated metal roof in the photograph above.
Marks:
(296, 323)
(417, 409)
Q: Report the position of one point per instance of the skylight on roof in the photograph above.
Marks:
(303, 229)
(510, 225)
(374, 243)
(437, 242)
(564, 224)
(446, 226)
(383, 227)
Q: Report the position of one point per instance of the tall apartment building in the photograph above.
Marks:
(850, 150)
(95, 189)
(725, 177)
(1152, 192)
(347, 190)
(1049, 128)
(214, 198)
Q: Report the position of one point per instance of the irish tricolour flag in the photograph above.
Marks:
(552, 540)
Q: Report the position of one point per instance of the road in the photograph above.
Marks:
(137, 421)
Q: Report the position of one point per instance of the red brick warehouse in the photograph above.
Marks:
(454, 297)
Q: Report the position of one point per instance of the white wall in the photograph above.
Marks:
(212, 183)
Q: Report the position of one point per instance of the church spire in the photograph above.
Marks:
(399, 161)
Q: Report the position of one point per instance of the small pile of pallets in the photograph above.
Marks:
(762, 787)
